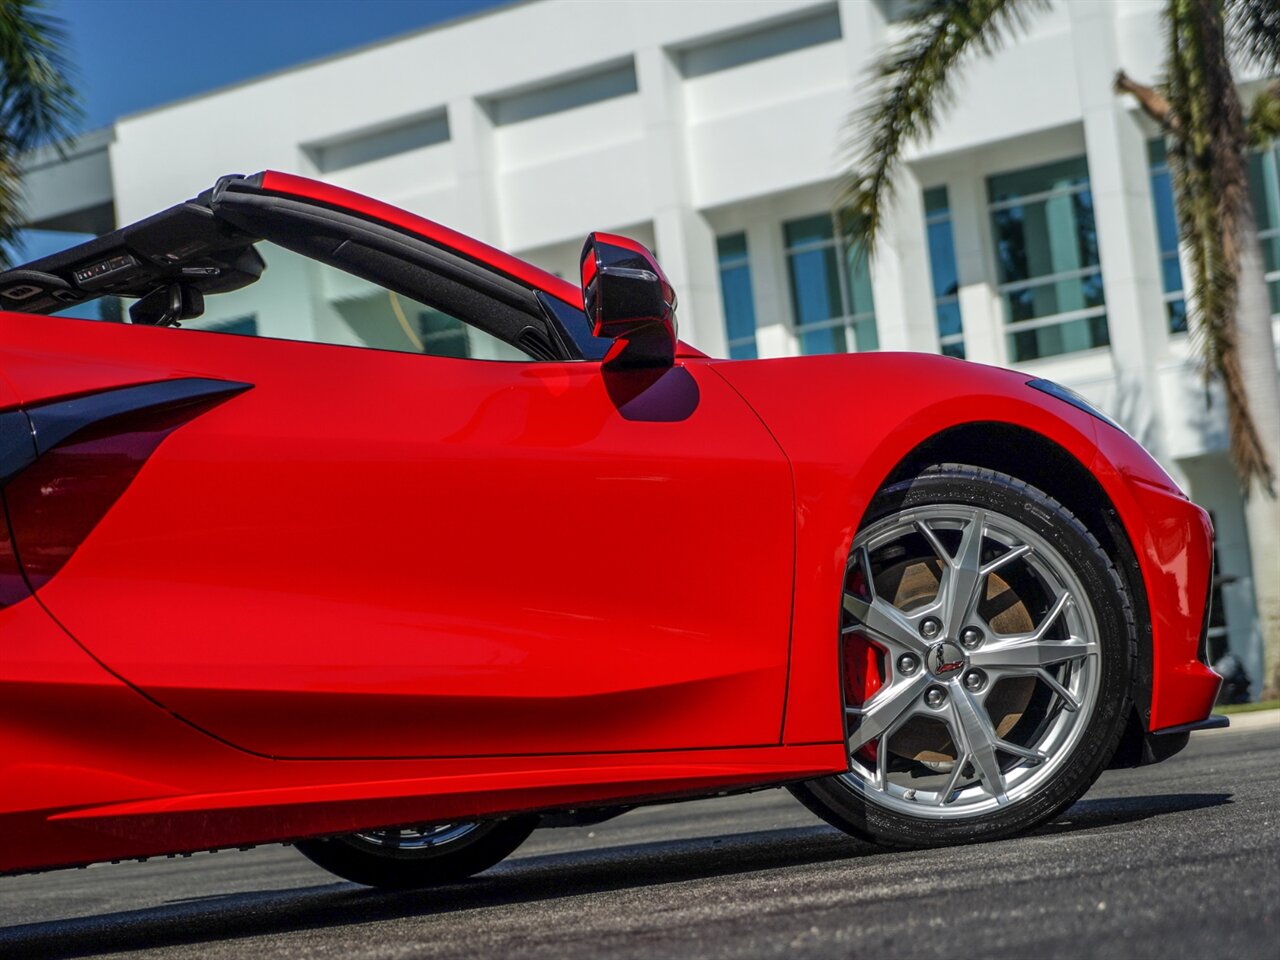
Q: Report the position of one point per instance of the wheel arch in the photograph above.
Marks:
(1032, 457)
(912, 410)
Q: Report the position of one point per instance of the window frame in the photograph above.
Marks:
(839, 243)
(1155, 169)
(1269, 277)
(1011, 328)
(940, 218)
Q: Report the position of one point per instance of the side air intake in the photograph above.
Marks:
(64, 464)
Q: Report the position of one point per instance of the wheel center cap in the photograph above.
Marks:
(947, 659)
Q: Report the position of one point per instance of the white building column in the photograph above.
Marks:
(864, 31)
(900, 274)
(471, 137)
(685, 240)
(1127, 243)
(770, 288)
(981, 316)
(900, 269)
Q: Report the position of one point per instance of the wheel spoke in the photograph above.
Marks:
(962, 576)
(972, 725)
(1021, 550)
(1050, 618)
(1027, 655)
(1028, 652)
(879, 617)
(1026, 753)
(890, 705)
(1060, 604)
(882, 762)
(938, 548)
(885, 623)
(957, 771)
(1068, 698)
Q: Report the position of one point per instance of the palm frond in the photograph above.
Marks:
(1253, 29)
(912, 85)
(1206, 149)
(1264, 117)
(11, 215)
(37, 101)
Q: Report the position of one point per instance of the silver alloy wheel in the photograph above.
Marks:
(942, 659)
(418, 838)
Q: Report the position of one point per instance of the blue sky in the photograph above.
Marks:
(130, 55)
(134, 54)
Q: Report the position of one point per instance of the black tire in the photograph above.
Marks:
(357, 859)
(842, 805)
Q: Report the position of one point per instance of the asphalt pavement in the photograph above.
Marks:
(1176, 860)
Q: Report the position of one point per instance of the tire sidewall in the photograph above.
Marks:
(402, 869)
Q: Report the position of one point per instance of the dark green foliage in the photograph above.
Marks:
(1198, 107)
(37, 102)
(1206, 143)
(914, 85)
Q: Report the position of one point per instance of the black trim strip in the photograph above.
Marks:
(571, 324)
(1202, 647)
(1058, 391)
(55, 423)
(246, 196)
(415, 266)
(1215, 722)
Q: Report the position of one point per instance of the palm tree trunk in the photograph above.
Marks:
(1257, 358)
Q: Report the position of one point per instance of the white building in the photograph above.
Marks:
(1033, 230)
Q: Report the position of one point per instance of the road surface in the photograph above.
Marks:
(1177, 860)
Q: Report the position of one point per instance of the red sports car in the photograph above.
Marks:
(394, 607)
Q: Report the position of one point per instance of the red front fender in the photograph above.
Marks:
(845, 422)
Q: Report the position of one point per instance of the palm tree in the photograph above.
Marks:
(37, 102)
(1207, 137)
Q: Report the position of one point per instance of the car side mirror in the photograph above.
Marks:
(628, 298)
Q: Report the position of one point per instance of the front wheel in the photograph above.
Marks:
(987, 648)
(419, 856)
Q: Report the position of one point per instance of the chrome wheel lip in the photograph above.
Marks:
(1059, 733)
(431, 837)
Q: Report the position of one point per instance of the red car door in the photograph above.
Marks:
(376, 554)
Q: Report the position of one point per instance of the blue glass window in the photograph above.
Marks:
(1167, 237)
(735, 293)
(830, 288)
(1047, 254)
(1264, 184)
(942, 266)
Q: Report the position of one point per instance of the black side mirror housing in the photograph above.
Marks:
(627, 297)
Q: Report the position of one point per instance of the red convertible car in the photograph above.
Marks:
(395, 605)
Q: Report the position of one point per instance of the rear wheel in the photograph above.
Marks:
(419, 856)
(987, 646)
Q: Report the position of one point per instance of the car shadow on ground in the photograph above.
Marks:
(523, 880)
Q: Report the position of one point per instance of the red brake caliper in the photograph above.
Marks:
(863, 663)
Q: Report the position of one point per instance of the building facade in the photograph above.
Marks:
(1034, 230)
